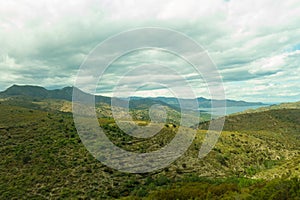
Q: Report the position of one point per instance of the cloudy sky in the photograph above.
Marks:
(255, 44)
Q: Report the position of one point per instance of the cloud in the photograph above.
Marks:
(254, 43)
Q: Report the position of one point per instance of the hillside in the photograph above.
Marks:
(42, 156)
(285, 122)
(135, 102)
(291, 105)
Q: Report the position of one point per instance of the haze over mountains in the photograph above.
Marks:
(135, 102)
(256, 157)
(155, 51)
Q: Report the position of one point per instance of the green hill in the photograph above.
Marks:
(43, 157)
(284, 122)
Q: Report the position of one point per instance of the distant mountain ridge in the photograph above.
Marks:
(135, 102)
(202, 102)
(40, 92)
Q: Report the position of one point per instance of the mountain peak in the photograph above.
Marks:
(38, 92)
(25, 90)
(14, 86)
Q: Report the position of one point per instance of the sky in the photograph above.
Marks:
(255, 44)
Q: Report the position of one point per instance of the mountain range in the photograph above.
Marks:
(135, 102)
(257, 155)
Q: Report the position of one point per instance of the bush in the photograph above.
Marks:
(161, 180)
(142, 192)
(220, 190)
(278, 189)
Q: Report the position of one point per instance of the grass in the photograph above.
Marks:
(43, 157)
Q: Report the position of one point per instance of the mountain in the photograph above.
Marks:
(135, 102)
(144, 103)
(32, 91)
(38, 92)
(42, 93)
(202, 102)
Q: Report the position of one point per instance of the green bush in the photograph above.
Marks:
(161, 180)
(278, 189)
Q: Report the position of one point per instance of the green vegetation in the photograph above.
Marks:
(230, 189)
(257, 157)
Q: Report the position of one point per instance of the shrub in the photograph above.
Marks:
(142, 192)
(161, 180)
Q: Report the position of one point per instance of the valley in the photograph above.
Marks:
(257, 155)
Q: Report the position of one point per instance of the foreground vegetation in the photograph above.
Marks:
(42, 157)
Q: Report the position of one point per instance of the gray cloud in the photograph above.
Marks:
(252, 43)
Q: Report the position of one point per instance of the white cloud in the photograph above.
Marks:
(44, 42)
